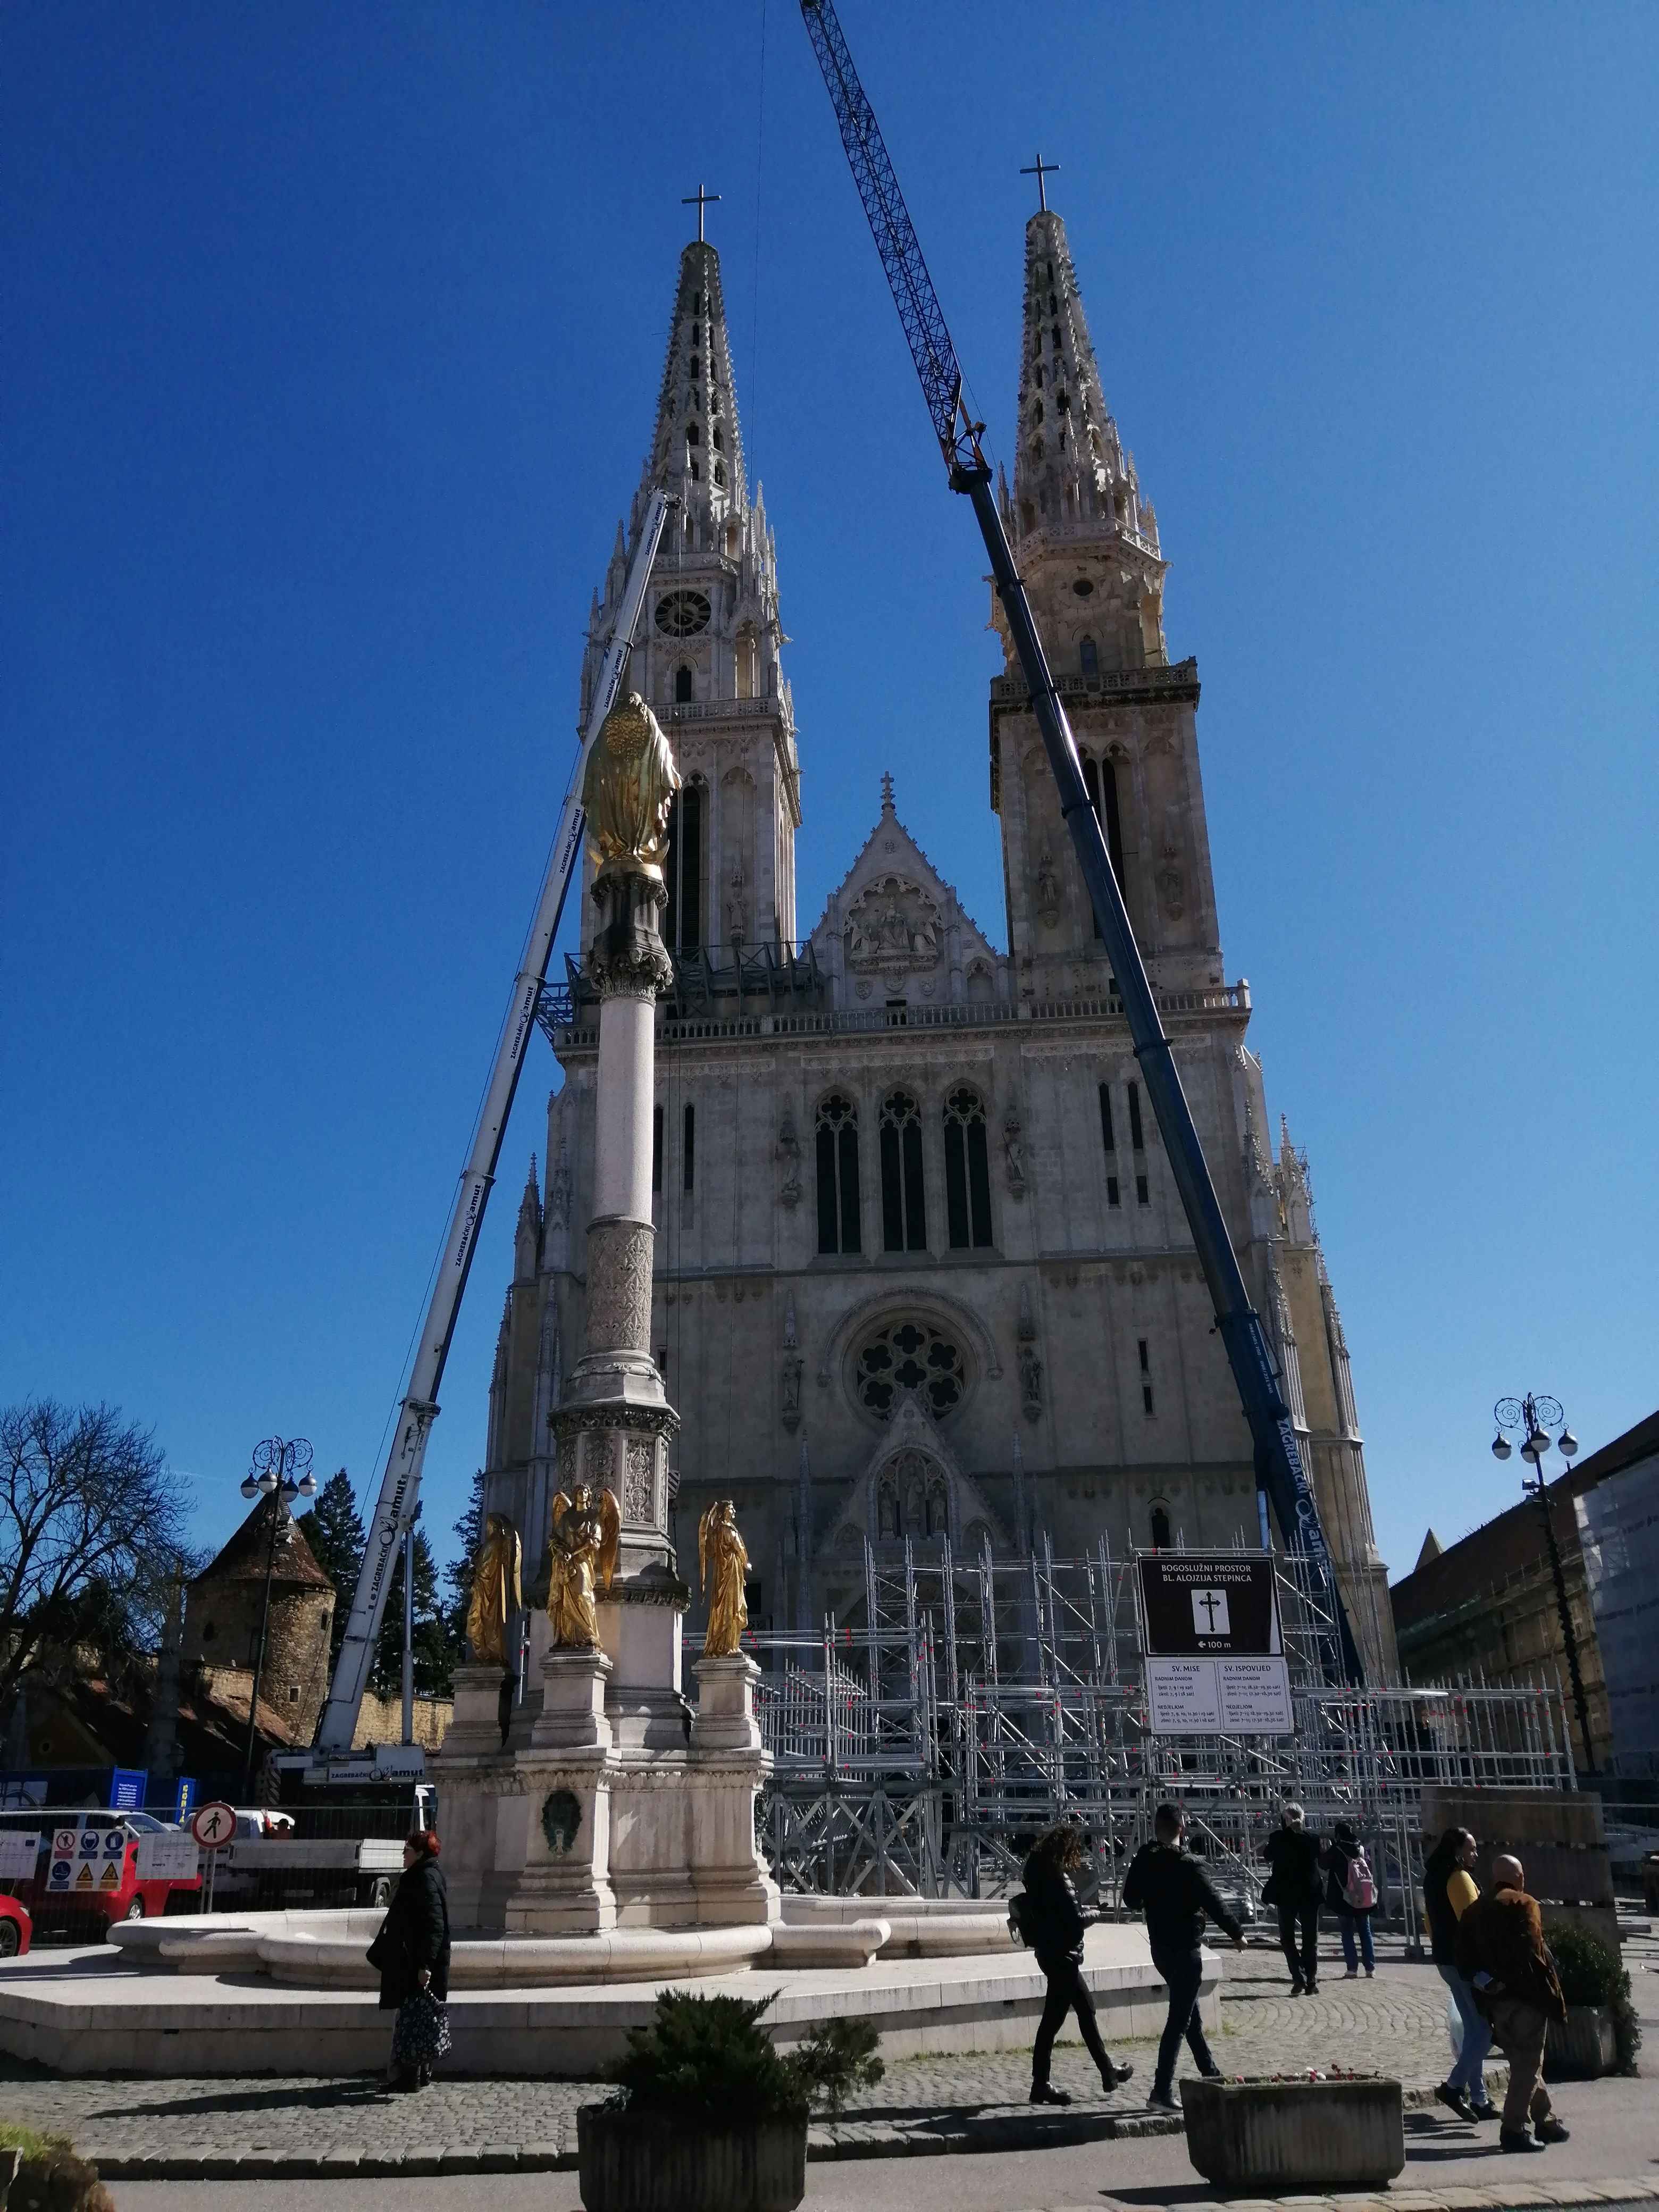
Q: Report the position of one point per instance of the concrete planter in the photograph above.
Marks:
(637, 2161)
(1583, 2046)
(1272, 2138)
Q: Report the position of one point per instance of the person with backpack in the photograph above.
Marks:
(1293, 1889)
(1350, 1893)
(1050, 1919)
(1175, 1893)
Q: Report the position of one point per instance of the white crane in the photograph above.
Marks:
(400, 1484)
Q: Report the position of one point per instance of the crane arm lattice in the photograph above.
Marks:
(919, 310)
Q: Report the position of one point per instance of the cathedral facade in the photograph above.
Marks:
(921, 1270)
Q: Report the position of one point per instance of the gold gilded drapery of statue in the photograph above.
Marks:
(581, 1558)
(626, 790)
(724, 1563)
(496, 1594)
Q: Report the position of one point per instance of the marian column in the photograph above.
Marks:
(614, 1422)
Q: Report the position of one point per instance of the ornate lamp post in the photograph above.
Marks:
(281, 1471)
(1532, 1418)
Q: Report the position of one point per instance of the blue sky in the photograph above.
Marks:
(334, 341)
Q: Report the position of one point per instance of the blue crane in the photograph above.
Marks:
(1279, 1468)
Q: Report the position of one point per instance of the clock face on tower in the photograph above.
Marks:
(682, 614)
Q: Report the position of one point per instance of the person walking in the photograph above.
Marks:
(1449, 1890)
(1054, 1924)
(1173, 1892)
(412, 1955)
(1501, 1953)
(1294, 1889)
(1350, 1893)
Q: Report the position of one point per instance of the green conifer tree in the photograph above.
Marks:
(430, 1642)
(334, 1530)
(469, 1535)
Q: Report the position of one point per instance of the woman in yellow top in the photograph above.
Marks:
(1449, 1890)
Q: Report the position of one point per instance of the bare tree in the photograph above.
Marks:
(90, 1521)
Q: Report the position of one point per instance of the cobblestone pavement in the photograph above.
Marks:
(1395, 2024)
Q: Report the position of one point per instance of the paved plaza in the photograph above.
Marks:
(1395, 2024)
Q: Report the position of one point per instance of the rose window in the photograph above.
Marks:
(909, 1356)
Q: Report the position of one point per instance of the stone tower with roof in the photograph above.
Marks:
(922, 1269)
(222, 1610)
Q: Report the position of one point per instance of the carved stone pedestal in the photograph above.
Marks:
(727, 1767)
(477, 1726)
(563, 1884)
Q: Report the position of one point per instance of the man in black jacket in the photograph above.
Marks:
(1175, 1893)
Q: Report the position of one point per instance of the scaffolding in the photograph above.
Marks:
(980, 1699)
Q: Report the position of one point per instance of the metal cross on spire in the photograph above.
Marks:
(1039, 171)
(700, 199)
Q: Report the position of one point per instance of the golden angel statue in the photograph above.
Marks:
(581, 1558)
(723, 1562)
(629, 780)
(496, 1594)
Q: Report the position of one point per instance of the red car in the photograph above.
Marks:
(15, 1928)
(85, 1896)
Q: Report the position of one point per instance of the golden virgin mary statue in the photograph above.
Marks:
(723, 1557)
(495, 1593)
(629, 782)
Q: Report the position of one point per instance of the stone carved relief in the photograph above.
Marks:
(736, 905)
(639, 1501)
(788, 1158)
(1171, 882)
(1013, 1156)
(1030, 1381)
(558, 1191)
(1048, 890)
(893, 926)
(794, 1367)
(619, 1287)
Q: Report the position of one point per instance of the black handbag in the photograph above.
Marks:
(422, 2034)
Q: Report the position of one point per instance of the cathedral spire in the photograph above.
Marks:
(1070, 467)
(696, 449)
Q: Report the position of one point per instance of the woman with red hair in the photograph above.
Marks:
(412, 1954)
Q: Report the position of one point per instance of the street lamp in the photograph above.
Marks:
(1532, 1418)
(280, 1470)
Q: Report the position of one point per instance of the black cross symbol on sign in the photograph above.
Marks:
(1212, 1605)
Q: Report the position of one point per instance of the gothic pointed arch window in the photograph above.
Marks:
(1161, 1528)
(693, 434)
(903, 1198)
(1088, 656)
(683, 691)
(681, 927)
(1100, 780)
(967, 1170)
(719, 475)
(838, 1175)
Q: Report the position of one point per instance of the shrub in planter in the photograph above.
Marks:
(42, 2173)
(1592, 1977)
(710, 2118)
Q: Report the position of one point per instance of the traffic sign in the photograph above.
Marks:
(213, 1825)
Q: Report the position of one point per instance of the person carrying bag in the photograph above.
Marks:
(411, 1955)
(1350, 1893)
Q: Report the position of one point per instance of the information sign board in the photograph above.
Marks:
(1200, 1605)
(1216, 1697)
(127, 1785)
(167, 1857)
(18, 1853)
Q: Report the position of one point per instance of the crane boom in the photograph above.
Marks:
(400, 1484)
(1279, 1467)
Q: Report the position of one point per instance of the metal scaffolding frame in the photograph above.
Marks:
(982, 1698)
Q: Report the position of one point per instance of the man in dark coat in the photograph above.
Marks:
(1501, 1951)
(1293, 1856)
(412, 1948)
(1175, 1893)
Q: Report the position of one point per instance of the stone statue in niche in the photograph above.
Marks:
(788, 1158)
(558, 1192)
(1013, 1155)
(1048, 889)
(1030, 1381)
(794, 1367)
(737, 906)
